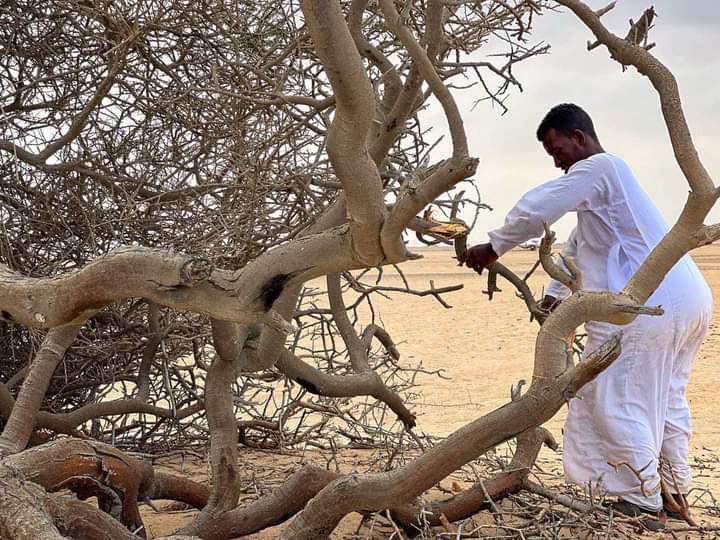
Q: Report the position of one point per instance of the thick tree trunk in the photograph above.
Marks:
(22, 509)
(80, 521)
(223, 448)
(21, 422)
(89, 469)
(95, 469)
(27, 512)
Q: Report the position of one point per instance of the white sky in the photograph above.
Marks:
(624, 107)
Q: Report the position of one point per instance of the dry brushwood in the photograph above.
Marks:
(172, 178)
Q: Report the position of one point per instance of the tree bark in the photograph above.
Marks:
(273, 509)
(483, 494)
(22, 510)
(21, 421)
(180, 282)
(80, 521)
(367, 383)
(178, 488)
(223, 448)
(347, 135)
(88, 469)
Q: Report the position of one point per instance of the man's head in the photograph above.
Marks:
(568, 135)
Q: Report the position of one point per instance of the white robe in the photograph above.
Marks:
(635, 411)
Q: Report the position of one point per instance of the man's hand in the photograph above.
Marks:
(548, 304)
(479, 256)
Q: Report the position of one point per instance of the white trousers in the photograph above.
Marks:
(636, 412)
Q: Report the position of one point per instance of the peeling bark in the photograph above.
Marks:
(95, 469)
(87, 468)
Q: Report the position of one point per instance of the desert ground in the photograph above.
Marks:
(482, 348)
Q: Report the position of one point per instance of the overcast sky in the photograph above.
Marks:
(624, 107)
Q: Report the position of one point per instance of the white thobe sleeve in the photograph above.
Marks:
(555, 288)
(547, 203)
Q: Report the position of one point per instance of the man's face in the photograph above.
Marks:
(565, 150)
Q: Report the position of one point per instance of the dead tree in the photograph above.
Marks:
(174, 175)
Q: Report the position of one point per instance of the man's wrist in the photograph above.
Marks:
(491, 251)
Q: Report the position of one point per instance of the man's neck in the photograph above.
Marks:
(594, 149)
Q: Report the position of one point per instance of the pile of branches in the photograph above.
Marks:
(198, 129)
(202, 129)
(173, 178)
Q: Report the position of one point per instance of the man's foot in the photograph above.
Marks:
(650, 519)
(676, 507)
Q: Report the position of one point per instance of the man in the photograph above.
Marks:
(635, 413)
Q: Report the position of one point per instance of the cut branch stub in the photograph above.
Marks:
(441, 231)
(196, 270)
(638, 32)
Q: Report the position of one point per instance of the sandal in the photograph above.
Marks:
(651, 519)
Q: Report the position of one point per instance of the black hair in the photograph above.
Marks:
(565, 118)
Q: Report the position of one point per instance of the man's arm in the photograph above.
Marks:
(544, 204)
(547, 203)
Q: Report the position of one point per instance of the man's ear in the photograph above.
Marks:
(579, 136)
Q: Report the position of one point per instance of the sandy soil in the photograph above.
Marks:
(484, 347)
